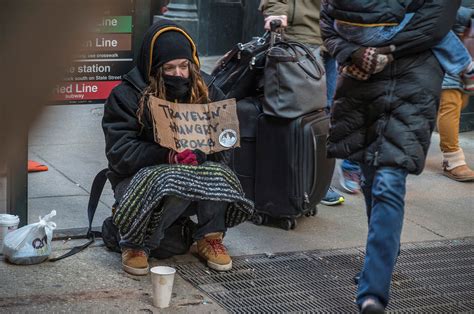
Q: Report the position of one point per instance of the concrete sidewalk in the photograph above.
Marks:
(69, 140)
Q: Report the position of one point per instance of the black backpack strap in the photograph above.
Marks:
(96, 191)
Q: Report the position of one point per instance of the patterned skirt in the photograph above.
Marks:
(140, 209)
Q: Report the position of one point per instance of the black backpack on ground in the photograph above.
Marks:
(177, 239)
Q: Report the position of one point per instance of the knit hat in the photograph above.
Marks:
(169, 46)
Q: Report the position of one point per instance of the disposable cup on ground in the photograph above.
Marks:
(7, 223)
(162, 278)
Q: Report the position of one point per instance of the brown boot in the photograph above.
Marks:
(135, 262)
(214, 252)
(454, 166)
(461, 173)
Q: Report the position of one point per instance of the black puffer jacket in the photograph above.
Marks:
(128, 148)
(388, 119)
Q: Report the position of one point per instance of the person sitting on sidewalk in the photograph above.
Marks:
(153, 185)
(454, 98)
(304, 27)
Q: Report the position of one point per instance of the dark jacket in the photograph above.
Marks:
(128, 147)
(371, 11)
(388, 119)
(431, 22)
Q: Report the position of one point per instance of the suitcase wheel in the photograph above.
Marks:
(259, 219)
(312, 212)
(288, 223)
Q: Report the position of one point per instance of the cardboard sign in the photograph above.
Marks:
(209, 127)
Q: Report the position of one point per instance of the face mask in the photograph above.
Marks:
(177, 88)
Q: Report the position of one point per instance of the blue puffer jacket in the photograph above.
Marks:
(463, 20)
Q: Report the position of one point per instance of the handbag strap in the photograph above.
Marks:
(96, 191)
(293, 46)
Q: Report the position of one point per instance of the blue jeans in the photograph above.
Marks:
(384, 191)
(451, 54)
(348, 165)
(331, 77)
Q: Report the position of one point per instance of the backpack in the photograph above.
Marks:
(177, 240)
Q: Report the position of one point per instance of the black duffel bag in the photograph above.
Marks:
(239, 72)
(295, 82)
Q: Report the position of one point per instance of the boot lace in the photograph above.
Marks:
(217, 246)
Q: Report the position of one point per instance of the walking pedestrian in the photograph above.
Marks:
(454, 97)
(385, 122)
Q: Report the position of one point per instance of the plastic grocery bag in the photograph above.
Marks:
(30, 244)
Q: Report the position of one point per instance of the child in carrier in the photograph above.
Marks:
(450, 52)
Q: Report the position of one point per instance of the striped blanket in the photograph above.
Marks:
(140, 209)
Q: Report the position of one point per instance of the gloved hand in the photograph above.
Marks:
(373, 60)
(187, 157)
(354, 72)
(201, 156)
(282, 18)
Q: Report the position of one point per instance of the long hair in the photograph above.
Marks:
(199, 90)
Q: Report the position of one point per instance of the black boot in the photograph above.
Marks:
(372, 306)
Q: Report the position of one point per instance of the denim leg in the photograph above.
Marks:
(331, 77)
(451, 54)
(173, 208)
(211, 218)
(383, 239)
(350, 165)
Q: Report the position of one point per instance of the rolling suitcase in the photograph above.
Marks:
(292, 172)
(243, 158)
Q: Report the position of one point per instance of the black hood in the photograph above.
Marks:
(144, 58)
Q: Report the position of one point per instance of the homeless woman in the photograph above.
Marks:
(153, 185)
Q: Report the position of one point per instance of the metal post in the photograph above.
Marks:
(17, 178)
(141, 22)
(185, 13)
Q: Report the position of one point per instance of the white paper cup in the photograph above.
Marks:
(162, 278)
(7, 223)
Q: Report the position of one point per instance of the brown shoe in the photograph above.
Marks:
(214, 252)
(462, 173)
(135, 262)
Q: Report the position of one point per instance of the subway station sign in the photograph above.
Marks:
(101, 62)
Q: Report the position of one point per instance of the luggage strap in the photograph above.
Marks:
(96, 191)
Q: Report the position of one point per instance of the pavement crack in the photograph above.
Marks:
(67, 297)
(70, 179)
(427, 229)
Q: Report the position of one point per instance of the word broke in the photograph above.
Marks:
(193, 126)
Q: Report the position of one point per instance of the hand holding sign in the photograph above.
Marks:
(209, 128)
(188, 157)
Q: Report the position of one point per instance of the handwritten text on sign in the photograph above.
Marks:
(209, 127)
